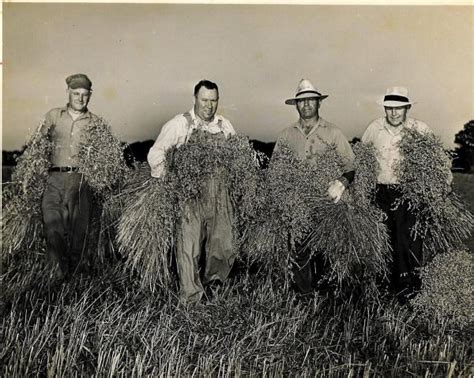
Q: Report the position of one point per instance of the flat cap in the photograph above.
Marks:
(78, 81)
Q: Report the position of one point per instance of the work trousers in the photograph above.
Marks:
(406, 250)
(66, 208)
(204, 240)
(308, 269)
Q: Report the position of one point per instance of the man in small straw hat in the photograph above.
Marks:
(309, 137)
(385, 133)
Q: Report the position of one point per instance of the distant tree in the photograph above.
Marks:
(354, 140)
(465, 152)
(137, 151)
(9, 158)
(264, 151)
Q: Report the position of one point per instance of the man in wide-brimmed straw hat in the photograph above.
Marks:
(385, 133)
(208, 217)
(309, 137)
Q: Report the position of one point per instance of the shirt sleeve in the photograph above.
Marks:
(345, 149)
(282, 137)
(228, 128)
(367, 137)
(50, 119)
(172, 134)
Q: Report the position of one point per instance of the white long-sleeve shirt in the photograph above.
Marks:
(176, 132)
(386, 140)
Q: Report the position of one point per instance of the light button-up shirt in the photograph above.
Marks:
(386, 139)
(176, 132)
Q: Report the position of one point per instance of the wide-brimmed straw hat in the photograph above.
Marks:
(305, 90)
(396, 97)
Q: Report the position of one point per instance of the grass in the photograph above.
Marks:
(104, 324)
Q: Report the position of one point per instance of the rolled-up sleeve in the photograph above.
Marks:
(172, 134)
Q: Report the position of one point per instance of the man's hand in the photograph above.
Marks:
(335, 190)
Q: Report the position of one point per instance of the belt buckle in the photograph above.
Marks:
(69, 169)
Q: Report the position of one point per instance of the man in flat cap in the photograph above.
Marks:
(66, 197)
(66, 204)
(385, 133)
(208, 217)
(309, 137)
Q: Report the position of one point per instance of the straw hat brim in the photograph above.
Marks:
(292, 101)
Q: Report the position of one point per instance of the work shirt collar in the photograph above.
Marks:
(299, 126)
(199, 121)
(86, 114)
(393, 130)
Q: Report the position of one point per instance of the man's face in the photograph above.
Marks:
(205, 103)
(79, 98)
(308, 108)
(396, 116)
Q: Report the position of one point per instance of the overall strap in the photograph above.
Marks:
(189, 121)
(188, 117)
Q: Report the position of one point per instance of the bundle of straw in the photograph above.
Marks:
(22, 226)
(146, 233)
(447, 290)
(100, 157)
(286, 200)
(327, 166)
(113, 206)
(32, 166)
(146, 230)
(353, 239)
(230, 160)
(442, 221)
(21, 220)
(298, 216)
(366, 171)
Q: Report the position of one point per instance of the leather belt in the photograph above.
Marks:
(64, 169)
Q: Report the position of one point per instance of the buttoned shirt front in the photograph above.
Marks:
(66, 134)
(386, 139)
(312, 144)
(176, 132)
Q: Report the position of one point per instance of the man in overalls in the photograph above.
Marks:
(208, 218)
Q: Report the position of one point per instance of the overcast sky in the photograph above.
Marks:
(144, 61)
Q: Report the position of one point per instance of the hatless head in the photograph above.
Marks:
(206, 99)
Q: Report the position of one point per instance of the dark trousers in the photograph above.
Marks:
(66, 208)
(308, 269)
(406, 251)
